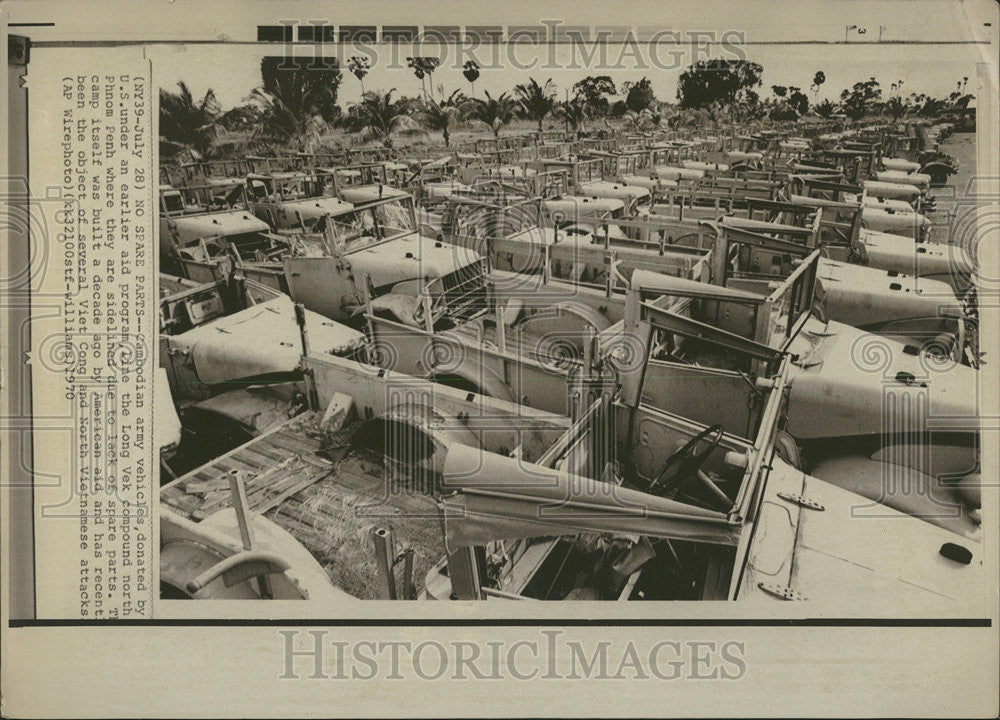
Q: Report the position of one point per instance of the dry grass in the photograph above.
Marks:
(334, 519)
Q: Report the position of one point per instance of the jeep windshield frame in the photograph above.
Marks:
(370, 224)
(753, 317)
(354, 175)
(262, 188)
(190, 200)
(501, 222)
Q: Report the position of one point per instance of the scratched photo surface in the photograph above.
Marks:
(688, 311)
(558, 314)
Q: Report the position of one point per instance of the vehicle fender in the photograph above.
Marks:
(937, 169)
(428, 230)
(404, 308)
(488, 381)
(911, 491)
(565, 318)
(787, 449)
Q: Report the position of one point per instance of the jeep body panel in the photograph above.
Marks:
(906, 223)
(260, 340)
(869, 297)
(190, 229)
(886, 251)
(668, 172)
(920, 181)
(843, 377)
(885, 557)
(891, 190)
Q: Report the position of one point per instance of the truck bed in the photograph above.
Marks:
(328, 495)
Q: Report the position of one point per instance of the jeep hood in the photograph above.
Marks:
(919, 180)
(221, 224)
(701, 165)
(895, 252)
(260, 340)
(316, 207)
(880, 553)
(573, 206)
(649, 182)
(864, 296)
(445, 189)
(620, 191)
(370, 193)
(409, 258)
(516, 171)
(891, 190)
(887, 219)
(844, 377)
(668, 172)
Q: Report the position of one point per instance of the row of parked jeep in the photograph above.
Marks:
(662, 366)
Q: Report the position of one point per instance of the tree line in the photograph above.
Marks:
(296, 103)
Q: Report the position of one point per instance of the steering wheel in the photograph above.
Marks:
(686, 462)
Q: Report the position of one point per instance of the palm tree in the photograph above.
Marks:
(186, 124)
(895, 107)
(381, 118)
(495, 112)
(818, 79)
(824, 109)
(639, 121)
(537, 100)
(440, 118)
(471, 72)
(574, 112)
(456, 99)
(430, 65)
(285, 124)
(424, 67)
(417, 67)
(296, 100)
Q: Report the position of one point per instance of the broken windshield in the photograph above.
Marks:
(371, 224)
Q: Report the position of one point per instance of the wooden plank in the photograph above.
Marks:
(287, 465)
(235, 463)
(295, 422)
(289, 441)
(267, 480)
(316, 461)
(308, 480)
(248, 458)
(270, 453)
(263, 454)
(181, 502)
(276, 484)
(257, 486)
(202, 487)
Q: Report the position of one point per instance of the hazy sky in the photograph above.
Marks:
(233, 70)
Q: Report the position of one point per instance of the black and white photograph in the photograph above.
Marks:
(651, 344)
(451, 330)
